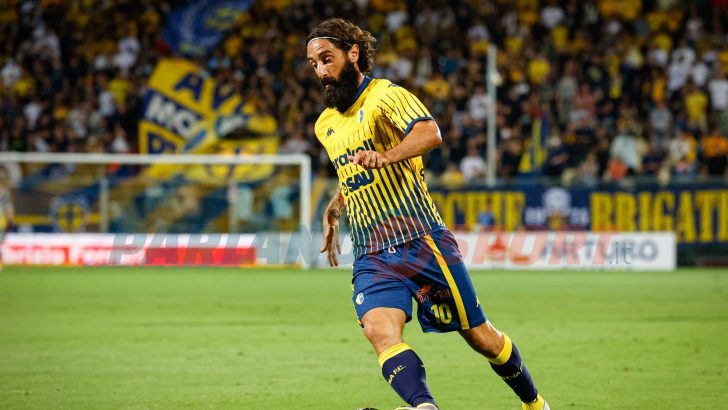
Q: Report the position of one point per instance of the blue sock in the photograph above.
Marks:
(509, 366)
(404, 371)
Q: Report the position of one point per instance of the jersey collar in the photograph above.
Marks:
(360, 90)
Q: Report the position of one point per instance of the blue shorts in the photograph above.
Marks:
(429, 269)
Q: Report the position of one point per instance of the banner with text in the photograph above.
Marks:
(492, 250)
(128, 250)
(696, 215)
(187, 111)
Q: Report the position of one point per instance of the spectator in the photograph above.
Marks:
(566, 91)
(452, 177)
(696, 106)
(40, 144)
(588, 171)
(120, 145)
(456, 145)
(473, 165)
(718, 88)
(683, 153)
(295, 144)
(580, 139)
(557, 157)
(10, 73)
(660, 125)
(625, 147)
(486, 220)
(437, 88)
(699, 74)
(538, 69)
(59, 141)
(677, 74)
(715, 152)
(617, 170)
(478, 103)
(585, 105)
(652, 161)
(510, 157)
(552, 15)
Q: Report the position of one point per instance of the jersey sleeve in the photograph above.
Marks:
(403, 108)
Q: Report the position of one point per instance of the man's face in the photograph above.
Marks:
(338, 76)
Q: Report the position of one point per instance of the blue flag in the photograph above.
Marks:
(197, 27)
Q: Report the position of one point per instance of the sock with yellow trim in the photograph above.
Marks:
(404, 371)
(509, 366)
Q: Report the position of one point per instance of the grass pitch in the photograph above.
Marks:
(150, 338)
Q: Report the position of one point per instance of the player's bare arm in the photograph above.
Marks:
(333, 212)
(424, 136)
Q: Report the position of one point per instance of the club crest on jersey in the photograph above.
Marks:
(361, 116)
(343, 159)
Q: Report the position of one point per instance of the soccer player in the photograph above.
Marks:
(375, 133)
(7, 213)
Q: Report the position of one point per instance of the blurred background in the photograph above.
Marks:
(611, 115)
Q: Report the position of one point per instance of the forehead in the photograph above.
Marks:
(318, 47)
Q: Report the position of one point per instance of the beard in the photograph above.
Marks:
(343, 90)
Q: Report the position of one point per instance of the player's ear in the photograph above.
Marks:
(353, 53)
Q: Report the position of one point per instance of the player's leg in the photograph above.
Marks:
(401, 367)
(383, 327)
(383, 305)
(505, 359)
(447, 301)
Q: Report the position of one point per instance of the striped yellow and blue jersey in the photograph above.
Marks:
(389, 206)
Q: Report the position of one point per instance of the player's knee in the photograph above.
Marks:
(491, 346)
(381, 333)
(486, 340)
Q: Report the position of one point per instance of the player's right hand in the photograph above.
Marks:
(369, 159)
(331, 242)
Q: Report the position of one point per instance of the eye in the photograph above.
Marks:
(328, 60)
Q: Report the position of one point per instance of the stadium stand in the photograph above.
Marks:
(591, 91)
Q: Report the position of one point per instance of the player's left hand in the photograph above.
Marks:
(369, 159)
(331, 245)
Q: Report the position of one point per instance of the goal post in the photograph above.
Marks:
(250, 194)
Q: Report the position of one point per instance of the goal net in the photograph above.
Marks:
(221, 210)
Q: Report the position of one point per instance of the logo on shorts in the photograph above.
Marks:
(427, 292)
(359, 298)
(424, 293)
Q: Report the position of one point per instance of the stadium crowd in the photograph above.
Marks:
(589, 91)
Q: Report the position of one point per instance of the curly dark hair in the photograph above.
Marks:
(349, 34)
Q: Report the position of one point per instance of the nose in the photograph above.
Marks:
(322, 71)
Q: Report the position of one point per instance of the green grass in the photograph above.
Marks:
(120, 338)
